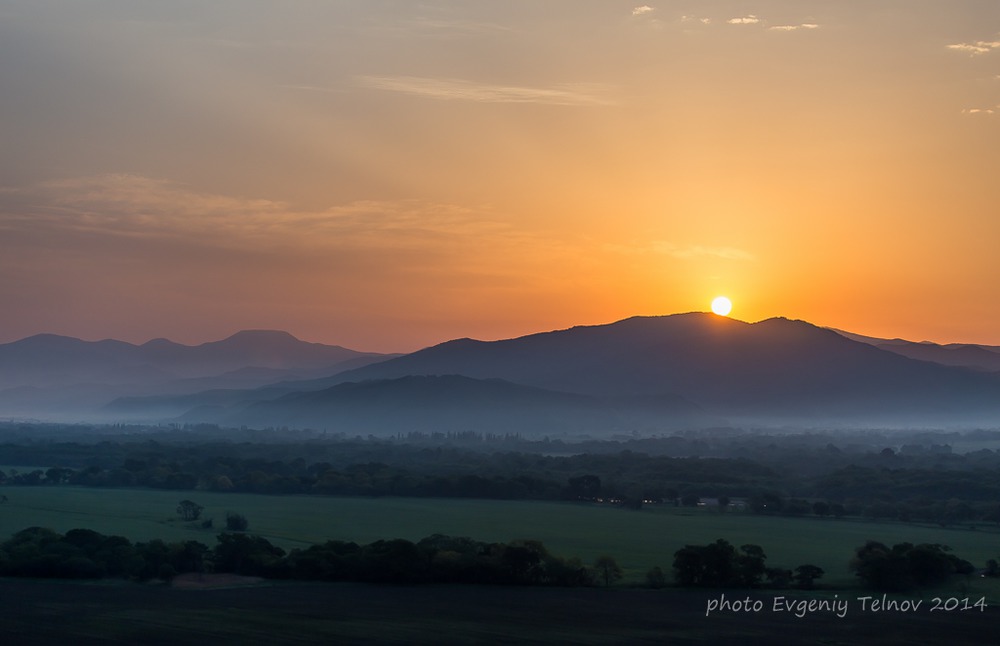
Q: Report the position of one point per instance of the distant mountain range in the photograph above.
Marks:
(643, 374)
(966, 355)
(57, 377)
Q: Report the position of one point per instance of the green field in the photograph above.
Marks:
(637, 539)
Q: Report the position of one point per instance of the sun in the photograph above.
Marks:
(722, 306)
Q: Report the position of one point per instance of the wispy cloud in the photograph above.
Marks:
(638, 11)
(986, 111)
(135, 207)
(704, 21)
(145, 251)
(805, 25)
(977, 48)
(750, 19)
(462, 90)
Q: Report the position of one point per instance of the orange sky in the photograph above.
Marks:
(387, 175)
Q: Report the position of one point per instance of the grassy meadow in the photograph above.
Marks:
(639, 540)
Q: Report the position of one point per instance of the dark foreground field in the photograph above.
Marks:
(41, 612)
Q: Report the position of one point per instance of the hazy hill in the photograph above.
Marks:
(776, 367)
(966, 355)
(642, 373)
(448, 403)
(51, 376)
(48, 359)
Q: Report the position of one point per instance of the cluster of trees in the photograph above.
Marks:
(438, 559)
(191, 511)
(906, 566)
(720, 564)
(86, 554)
(899, 568)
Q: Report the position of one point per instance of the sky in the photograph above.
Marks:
(387, 175)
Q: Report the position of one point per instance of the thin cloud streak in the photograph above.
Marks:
(977, 48)
(130, 206)
(462, 90)
(805, 25)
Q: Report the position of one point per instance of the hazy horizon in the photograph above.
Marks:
(386, 176)
(224, 336)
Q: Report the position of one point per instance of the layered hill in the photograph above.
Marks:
(455, 403)
(777, 368)
(965, 355)
(49, 376)
(641, 374)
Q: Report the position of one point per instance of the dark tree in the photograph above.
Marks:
(236, 522)
(607, 569)
(655, 578)
(521, 561)
(806, 574)
(393, 561)
(778, 577)
(189, 510)
(905, 566)
(750, 565)
(880, 567)
(706, 565)
(249, 555)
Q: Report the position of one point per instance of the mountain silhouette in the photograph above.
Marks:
(647, 373)
(46, 373)
(777, 367)
(966, 355)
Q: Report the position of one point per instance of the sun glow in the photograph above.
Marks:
(722, 306)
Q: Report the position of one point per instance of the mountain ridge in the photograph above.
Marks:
(718, 363)
(71, 377)
(643, 370)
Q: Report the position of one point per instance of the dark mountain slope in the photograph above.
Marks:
(60, 378)
(451, 403)
(966, 355)
(775, 366)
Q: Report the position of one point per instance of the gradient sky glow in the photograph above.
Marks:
(386, 175)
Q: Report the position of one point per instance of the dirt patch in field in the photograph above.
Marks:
(195, 581)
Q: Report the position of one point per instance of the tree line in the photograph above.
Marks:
(86, 554)
(899, 568)
(919, 478)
